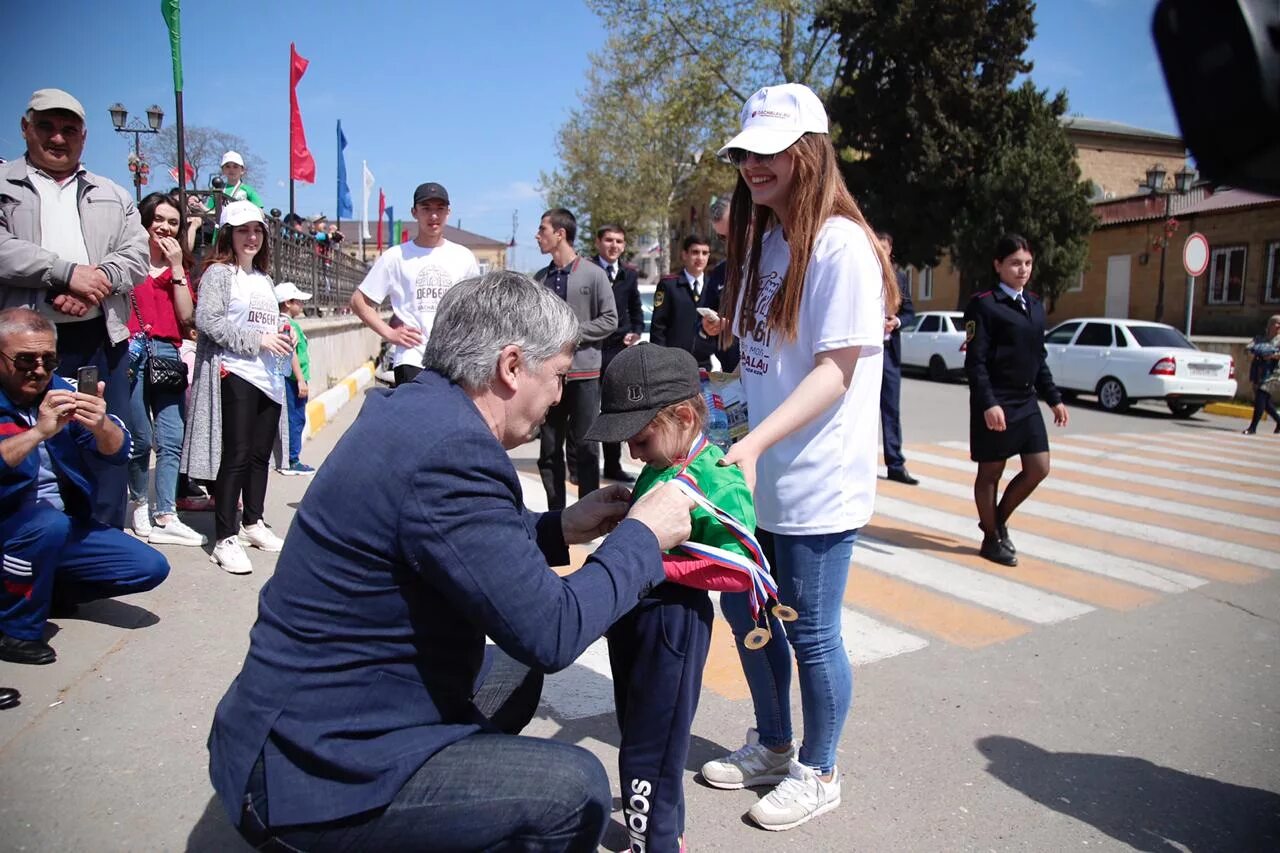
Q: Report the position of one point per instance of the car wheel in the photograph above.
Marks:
(938, 369)
(1112, 396)
(1184, 410)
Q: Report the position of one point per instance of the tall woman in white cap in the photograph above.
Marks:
(807, 297)
(233, 415)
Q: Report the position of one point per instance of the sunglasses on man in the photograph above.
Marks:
(27, 361)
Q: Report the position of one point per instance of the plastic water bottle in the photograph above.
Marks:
(282, 365)
(717, 420)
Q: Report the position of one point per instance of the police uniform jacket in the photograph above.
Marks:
(626, 299)
(1005, 355)
(371, 633)
(676, 322)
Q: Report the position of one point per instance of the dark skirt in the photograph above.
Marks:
(1025, 435)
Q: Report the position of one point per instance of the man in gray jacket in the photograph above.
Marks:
(586, 288)
(72, 246)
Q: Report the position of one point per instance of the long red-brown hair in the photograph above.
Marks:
(224, 251)
(818, 192)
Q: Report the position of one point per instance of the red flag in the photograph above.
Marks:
(382, 214)
(186, 167)
(302, 167)
(404, 236)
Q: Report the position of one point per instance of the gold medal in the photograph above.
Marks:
(785, 612)
(757, 638)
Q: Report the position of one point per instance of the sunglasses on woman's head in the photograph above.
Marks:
(27, 361)
(738, 156)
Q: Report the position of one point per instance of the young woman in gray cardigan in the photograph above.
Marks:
(235, 412)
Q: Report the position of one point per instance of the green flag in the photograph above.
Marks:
(172, 11)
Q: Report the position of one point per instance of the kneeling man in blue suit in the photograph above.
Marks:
(368, 714)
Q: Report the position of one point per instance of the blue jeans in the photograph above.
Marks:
(156, 420)
(297, 417)
(812, 572)
(489, 791)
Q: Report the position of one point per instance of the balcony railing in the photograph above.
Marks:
(321, 269)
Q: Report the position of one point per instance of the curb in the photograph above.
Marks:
(1231, 410)
(322, 409)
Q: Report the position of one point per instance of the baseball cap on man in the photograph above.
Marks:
(640, 382)
(776, 116)
(241, 213)
(287, 290)
(430, 191)
(54, 99)
(233, 157)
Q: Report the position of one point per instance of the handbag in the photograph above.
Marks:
(168, 375)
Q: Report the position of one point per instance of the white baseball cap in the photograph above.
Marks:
(54, 99)
(287, 290)
(776, 116)
(233, 157)
(241, 213)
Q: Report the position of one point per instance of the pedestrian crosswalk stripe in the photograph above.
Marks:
(1173, 447)
(928, 612)
(1154, 536)
(585, 688)
(1032, 571)
(1060, 551)
(995, 593)
(1138, 508)
(1227, 475)
(1107, 476)
(1113, 546)
(1241, 442)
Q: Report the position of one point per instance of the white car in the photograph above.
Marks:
(646, 305)
(932, 341)
(1126, 360)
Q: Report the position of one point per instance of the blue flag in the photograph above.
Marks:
(344, 192)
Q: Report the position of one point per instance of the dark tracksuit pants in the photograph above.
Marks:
(657, 653)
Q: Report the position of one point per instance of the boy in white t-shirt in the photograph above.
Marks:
(416, 276)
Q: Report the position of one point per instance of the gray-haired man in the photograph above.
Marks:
(72, 247)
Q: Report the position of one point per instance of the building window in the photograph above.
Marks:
(484, 267)
(1078, 285)
(926, 284)
(1271, 287)
(1226, 276)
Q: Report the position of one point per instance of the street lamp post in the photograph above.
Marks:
(120, 118)
(1155, 183)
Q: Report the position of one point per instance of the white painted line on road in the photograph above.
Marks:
(1064, 554)
(1084, 490)
(535, 497)
(990, 591)
(1128, 458)
(1152, 533)
(1158, 443)
(1123, 477)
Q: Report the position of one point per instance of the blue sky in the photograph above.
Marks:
(467, 94)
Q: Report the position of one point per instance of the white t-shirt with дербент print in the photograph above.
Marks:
(251, 305)
(822, 477)
(416, 279)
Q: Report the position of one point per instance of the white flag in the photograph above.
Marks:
(368, 187)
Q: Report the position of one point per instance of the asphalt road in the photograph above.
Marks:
(1117, 690)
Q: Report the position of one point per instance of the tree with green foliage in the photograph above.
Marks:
(917, 85)
(1026, 181)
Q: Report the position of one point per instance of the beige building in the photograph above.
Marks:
(490, 254)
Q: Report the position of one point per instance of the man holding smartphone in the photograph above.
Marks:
(52, 549)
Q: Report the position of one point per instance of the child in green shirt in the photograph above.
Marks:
(651, 398)
(296, 391)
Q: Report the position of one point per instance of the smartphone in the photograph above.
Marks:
(87, 380)
(709, 313)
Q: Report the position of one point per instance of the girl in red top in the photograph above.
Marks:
(162, 306)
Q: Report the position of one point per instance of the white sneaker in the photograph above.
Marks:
(800, 797)
(749, 766)
(260, 536)
(229, 554)
(141, 519)
(175, 533)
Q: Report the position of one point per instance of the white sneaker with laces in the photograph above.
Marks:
(229, 554)
(800, 797)
(749, 766)
(260, 536)
(141, 519)
(174, 532)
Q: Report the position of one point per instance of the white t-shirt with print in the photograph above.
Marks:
(821, 478)
(416, 279)
(252, 306)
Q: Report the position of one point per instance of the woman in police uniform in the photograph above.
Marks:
(1005, 362)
